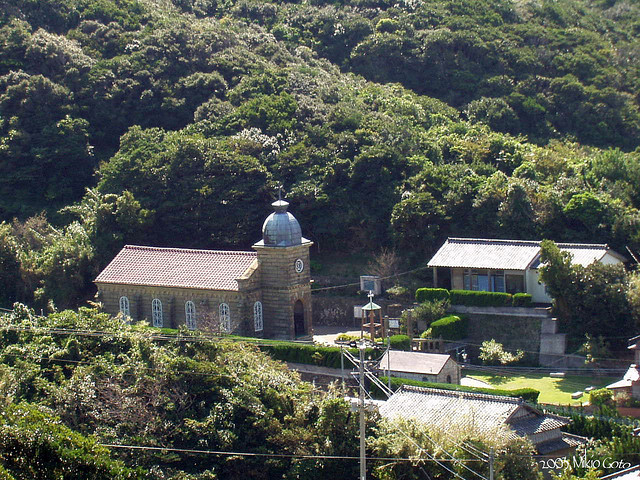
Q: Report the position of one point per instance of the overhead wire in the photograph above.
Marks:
(255, 454)
(444, 450)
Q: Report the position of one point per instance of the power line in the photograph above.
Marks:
(408, 272)
(267, 455)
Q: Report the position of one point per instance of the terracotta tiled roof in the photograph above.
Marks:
(509, 254)
(177, 267)
(414, 362)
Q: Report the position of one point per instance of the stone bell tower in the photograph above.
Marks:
(283, 258)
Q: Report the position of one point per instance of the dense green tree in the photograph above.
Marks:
(223, 190)
(9, 266)
(34, 445)
(591, 299)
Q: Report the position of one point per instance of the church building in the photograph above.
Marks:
(263, 293)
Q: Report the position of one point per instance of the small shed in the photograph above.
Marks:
(425, 367)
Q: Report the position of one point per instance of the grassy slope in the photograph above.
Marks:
(552, 390)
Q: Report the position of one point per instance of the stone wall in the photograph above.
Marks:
(514, 333)
(173, 300)
(338, 311)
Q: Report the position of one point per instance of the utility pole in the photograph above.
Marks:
(388, 355)
(363, 458)
(491, 464)
(342, 369)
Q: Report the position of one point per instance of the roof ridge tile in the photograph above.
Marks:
(458, 393)
(190, 250)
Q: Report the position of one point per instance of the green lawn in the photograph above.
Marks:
(552, 390)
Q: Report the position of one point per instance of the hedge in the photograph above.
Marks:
(312, 354)
(431, 294)
(522, 300)
(400, 342)
(480, 299)
(451, 327)
(528, 394)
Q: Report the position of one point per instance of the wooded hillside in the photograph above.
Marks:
(503, 119)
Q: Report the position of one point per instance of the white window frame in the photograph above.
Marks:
(225, 318)
(258, 321)
(124, 306)
(190, 314)
(156, 312)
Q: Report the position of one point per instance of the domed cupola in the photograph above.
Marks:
(281, 229)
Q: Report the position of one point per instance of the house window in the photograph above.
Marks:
(258, 323)
(156, 312)
(124, 306)
(448, 378)
(497, 281)
(474, 280)
(514, 283)
(190, 315)
(225, 318)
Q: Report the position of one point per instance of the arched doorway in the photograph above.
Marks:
(298, 318)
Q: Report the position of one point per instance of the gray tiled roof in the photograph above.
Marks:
(632, 473)
(534, 424)
(177, 267)
(414, 362)
(446, 408)
(565, 442)
(482, 413)
(508, 254)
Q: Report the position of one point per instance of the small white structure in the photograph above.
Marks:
(629, 386)
(425, 367)
(509, 266)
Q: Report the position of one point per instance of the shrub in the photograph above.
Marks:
(345, 337)
(398, 292)
(452, 327)
(481, 299)
(527, 394)
(430, 311)
(426, 334)
(521, 300)
(310, 354)
(493, 353)
(400, 342)
(431, 294)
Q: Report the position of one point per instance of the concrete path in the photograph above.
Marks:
(472, 382)
(327, 335)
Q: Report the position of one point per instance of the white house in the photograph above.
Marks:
(505, 265)
(425, 367)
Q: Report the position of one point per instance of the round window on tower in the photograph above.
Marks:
(299, 265)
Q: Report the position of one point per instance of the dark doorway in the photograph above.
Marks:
(298, 318)
(444, 278)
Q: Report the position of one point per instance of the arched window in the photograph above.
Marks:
(124, 306)
(258, 323)
(190, 315)
(448, 378)
(225, 318)
(156, 312)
